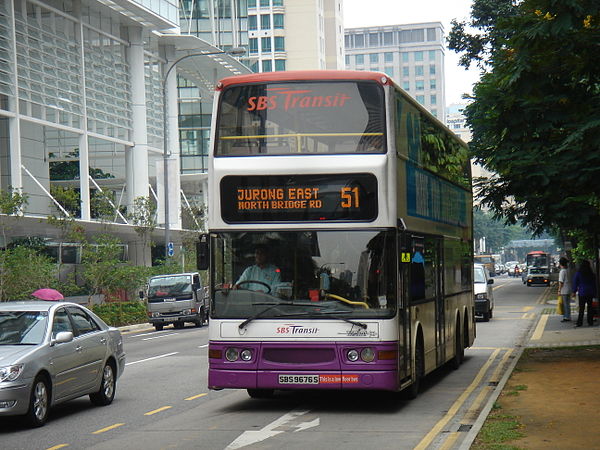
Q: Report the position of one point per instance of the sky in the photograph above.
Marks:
(365, 13)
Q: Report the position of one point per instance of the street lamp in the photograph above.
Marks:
(236, 51)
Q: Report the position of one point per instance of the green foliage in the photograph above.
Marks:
(22, 271)
(535, 111)
(496, 233)
(121, 313)
(69, 199)
(12, 202)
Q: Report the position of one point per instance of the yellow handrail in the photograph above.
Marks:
(345, 300)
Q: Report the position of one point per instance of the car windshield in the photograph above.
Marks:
(479, 275)
(22, 327)
(537, 271)
(351, 274)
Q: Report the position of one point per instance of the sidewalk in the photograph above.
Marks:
(550, 390)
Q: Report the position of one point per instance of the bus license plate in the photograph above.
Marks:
(298, 379)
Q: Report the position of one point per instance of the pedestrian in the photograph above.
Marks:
(564, 288)
(584, 284)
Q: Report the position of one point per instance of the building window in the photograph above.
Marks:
(279, 65)
(267, 66)
(432, 84)
(277, 2)
(373, 39)
(419, 85)
(418, 71)
(388, 38)
(277, 20)
(279, 44)
(251, 3)
(359, 59)
(431, 55)
(431, 34)
(434, 114)
(264, 3)
(406, 85)
(254, 66)
(421, 99)
(252, 23)
(374, 58)
(359, 40)
(418, 56)
(433, 99)
(432, 69)
(347, 60)
(265, 22)
(388, 57)
(389, 71)
(405, 71)
(253, 45)
(265, 45)
(404, 57)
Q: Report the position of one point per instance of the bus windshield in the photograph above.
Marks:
(304, 273)
(301, 117)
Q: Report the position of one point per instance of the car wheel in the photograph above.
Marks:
(486, 316)
(261, 393)
(106, 393)
(158, 326)
(491, 313)
(200, 320)
(39, 402)
(178, 325)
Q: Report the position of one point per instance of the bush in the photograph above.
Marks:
(118, 314)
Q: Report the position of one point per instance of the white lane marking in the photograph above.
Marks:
(203, 346)
(158, 337)
(150, 359)
(252, 437)
(306, 425)
(149, 334)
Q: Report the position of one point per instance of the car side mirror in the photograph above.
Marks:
(62, 337)
(202, 253)
(490, 281)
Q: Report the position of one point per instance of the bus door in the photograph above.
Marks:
(434, 251)
(404, 322)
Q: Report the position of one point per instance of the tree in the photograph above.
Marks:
(535, 112)
(143, 218)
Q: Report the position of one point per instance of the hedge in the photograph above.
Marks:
(118, 314)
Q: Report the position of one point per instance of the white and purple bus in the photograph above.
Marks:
(363, 202)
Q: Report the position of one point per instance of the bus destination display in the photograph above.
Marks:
(299, 198)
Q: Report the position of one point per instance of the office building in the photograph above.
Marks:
(82, 91)
(411, 54)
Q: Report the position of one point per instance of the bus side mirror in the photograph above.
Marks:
(202, 253)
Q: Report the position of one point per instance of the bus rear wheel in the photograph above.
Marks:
(261, 393)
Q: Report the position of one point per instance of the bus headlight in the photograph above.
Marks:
(352, 355)
(367, 354)
(232, 354)
(246, 355)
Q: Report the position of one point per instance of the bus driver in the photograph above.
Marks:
(263, 272)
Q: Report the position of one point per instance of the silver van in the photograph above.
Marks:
(176, 298)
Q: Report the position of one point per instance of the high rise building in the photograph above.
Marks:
(411, 54)
(83, 90)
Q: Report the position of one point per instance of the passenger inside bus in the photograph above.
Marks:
(261, 276)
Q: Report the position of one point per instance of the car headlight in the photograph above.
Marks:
(480, 296)
(10, 373)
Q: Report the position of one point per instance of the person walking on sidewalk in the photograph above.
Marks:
(564, 288)
(584, 284)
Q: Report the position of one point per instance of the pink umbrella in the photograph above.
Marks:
(48, 294)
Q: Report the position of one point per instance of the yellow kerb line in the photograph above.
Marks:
(194, 397)
(112, 427)
(428, 439)
(56, 447)
(264, 136)
(539, 329)
(149, 413)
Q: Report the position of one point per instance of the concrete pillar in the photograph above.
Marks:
(14, 123)
(136, 157)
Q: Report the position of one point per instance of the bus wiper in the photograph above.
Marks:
(271, 306)
(326, 313)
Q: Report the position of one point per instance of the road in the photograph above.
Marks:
(162, 401)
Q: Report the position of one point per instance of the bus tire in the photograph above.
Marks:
(412, 391)
(260, 393)
(459, 351)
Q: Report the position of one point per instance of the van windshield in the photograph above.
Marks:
(173, 286)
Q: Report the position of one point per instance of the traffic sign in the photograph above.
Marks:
(170, 249)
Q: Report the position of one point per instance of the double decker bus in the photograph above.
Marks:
(363, 202)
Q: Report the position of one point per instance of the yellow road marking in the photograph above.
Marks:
(457, 404)
(56, 447)
(539, 329)
(112, 427)
(501, 364)
(194, 397)
(527, 308)
(450, 440)
(149, 413)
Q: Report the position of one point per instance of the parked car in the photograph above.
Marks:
(484, 294)
(51, 352)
